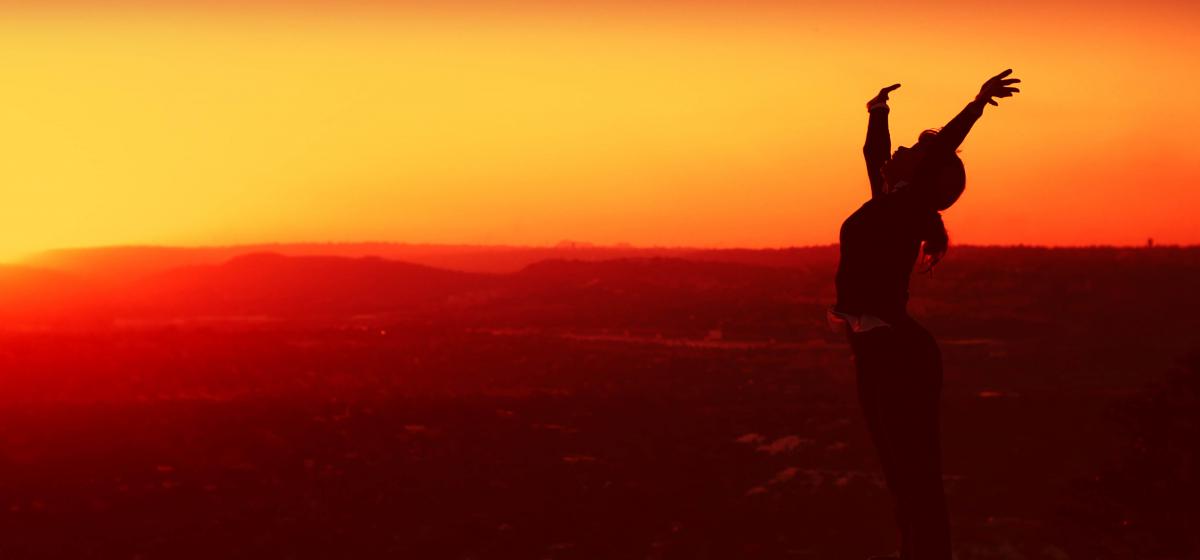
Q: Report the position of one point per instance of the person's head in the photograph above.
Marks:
(940, 186)
(948, 183)
(945, 180)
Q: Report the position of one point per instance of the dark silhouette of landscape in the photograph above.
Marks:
(390, 400)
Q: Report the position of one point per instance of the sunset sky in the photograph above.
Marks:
(522, 122)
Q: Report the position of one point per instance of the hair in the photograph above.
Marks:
(950, 178)
(935, 241)
(949, 183)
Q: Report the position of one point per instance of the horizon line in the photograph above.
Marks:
(564, 244)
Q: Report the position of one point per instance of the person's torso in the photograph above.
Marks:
(880, 243)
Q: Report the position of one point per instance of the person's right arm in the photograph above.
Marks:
(878, 146)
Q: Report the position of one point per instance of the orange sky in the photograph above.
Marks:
(523, 123)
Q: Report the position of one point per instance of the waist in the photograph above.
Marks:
(880, 296)
(841, 320)
(891, 311)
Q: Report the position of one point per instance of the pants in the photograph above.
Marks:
(899, 386)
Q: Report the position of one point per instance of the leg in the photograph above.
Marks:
(916, 412)
(874, 359)
(899, 385)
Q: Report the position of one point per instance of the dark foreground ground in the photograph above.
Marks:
(581, 414)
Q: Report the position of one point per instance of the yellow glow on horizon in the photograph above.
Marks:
(523, 130)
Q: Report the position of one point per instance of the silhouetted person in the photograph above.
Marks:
(899, 366)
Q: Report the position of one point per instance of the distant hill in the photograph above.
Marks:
(273, 284)
(131, 262)
(125, 263)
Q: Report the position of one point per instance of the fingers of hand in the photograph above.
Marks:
(889, 89)
(1005, 92)
(1000, 91)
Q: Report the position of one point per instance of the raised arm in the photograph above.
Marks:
(878, 146)
(951, 136)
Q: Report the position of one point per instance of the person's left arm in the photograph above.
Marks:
(951, 136)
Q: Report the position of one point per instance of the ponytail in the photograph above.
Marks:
(934, 241)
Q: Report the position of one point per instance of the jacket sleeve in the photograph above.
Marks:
(878, 147)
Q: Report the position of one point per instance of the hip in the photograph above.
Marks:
(903, 341)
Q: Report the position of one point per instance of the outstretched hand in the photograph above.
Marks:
(883, 95)
(998, 86)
